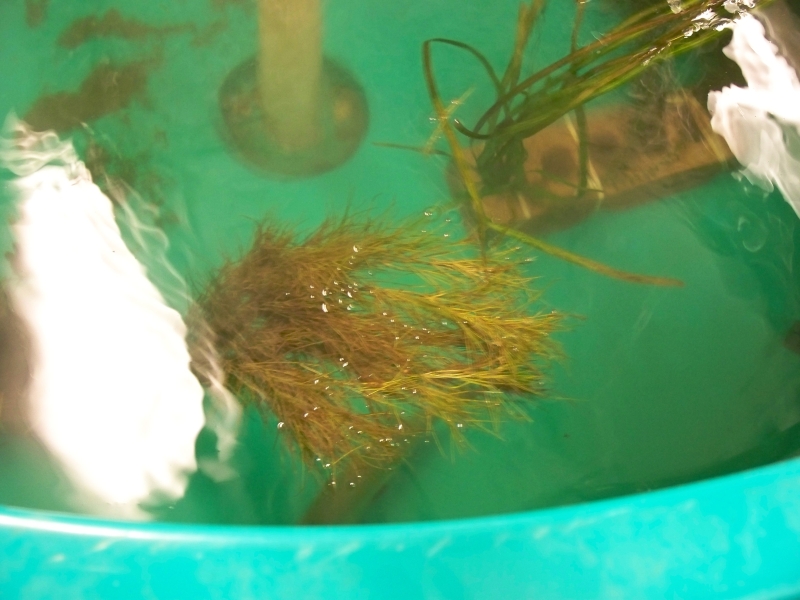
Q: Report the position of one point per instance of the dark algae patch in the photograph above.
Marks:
(114, 25)
(221, 4)
(108, 89)
(35, 12)
(205, 37)
(116, 173)
(792, 340)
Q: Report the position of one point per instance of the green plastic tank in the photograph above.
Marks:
(662, 463)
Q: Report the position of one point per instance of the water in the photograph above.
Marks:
(660, 385)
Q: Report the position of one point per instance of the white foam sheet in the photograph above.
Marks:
(761, 122)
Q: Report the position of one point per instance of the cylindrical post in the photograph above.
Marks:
(290, 71)
(290, 110)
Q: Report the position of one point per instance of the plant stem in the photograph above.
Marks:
(586, 263)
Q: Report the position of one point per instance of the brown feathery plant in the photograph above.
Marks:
(363, 335)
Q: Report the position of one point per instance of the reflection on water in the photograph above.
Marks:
(96, 329)
(658, 385)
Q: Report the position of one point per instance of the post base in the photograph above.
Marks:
(344, 122)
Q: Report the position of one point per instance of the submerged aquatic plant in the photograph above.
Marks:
(524, 106)
(363, 335)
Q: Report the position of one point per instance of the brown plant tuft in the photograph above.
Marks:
(363, 335)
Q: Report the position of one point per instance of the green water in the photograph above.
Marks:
(660, 386)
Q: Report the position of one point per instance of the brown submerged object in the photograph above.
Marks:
(113, 24)
(362, 336)
(107, 89)
(633, 157)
